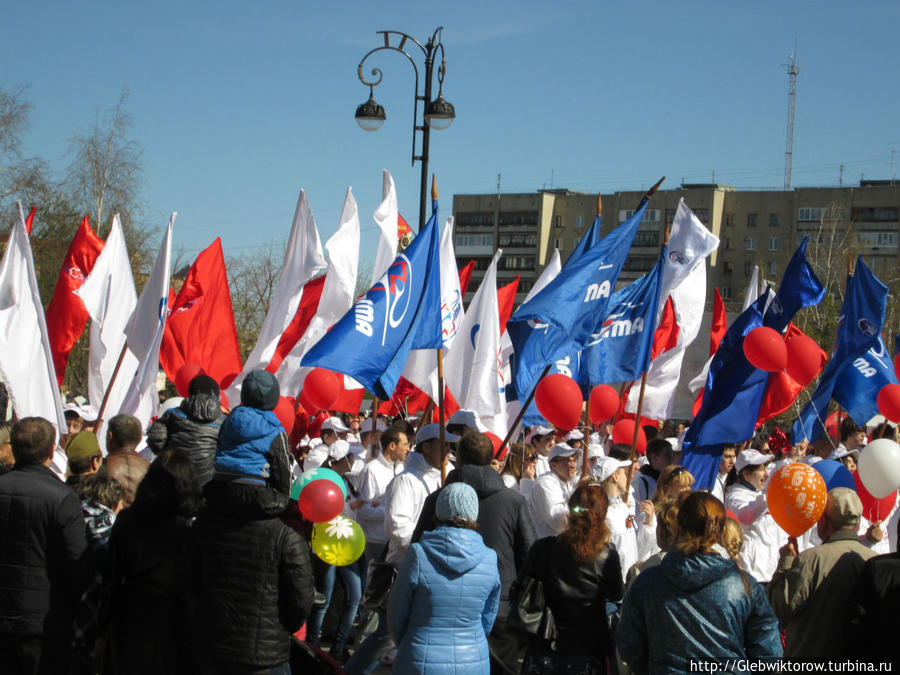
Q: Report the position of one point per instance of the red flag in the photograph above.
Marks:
(402, 227)
(465, 276)
(29, 222)
(716, 333)
(66, 314)
(306, 310)
(665, 336)
(349, 400)
(506, 298)
(782, 389)
(200, 328)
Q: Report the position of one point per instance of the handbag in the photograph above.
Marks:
(379, 581)
(529, 614)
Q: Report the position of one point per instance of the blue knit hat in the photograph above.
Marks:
(457, 500)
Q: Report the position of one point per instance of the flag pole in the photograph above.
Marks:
(521, 414)
(586, 426)
(440, 372)
(112, 380)
(373, 451)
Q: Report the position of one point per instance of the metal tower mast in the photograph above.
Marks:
(792, 68)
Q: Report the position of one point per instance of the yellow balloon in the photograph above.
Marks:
(339, 541)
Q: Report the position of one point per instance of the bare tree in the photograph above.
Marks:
(252, 278)
(17, 172)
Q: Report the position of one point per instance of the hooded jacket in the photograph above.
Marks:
(192, 427)
(694, 607)
(444, 603)
(503, 521)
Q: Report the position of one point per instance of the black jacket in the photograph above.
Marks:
(192, 427)
(44, 561)
(872, 635)
(503, 521)
(255, 578)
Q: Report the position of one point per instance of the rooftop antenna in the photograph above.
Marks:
(841, 177)
(792, 69)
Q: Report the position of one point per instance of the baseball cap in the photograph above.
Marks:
(538, 430)
(562, 450)
(334, 424)
(82, 445)
(839, 453)
(595, 450)
(574, 435)
(466, 418)
(751, 457)
(431, 431)
(366, 426)
(605, 467)
(843, 507)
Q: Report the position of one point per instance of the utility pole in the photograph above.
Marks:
(792, 69)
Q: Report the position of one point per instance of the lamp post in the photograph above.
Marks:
(436, 114)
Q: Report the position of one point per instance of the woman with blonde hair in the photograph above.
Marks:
(673, 481)
(696, 604)
(519, 470)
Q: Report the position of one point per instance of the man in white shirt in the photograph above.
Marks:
(541, 439)
(726, 464)
(373, 482)
(332, 430)
(551, 492)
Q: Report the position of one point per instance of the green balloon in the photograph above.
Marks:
(308, 477)
(339, 541)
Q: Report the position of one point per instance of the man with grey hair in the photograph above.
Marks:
(811, 592)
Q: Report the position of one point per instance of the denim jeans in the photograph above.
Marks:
(325, 578)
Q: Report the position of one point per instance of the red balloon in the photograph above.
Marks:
(558, 398)
(321, 500)
(496, 441)
(873, 509)
(889, 401)
(185, 374)
(623, 432)
(604, 403)
(804, 359)
(321, 388)
(765, 349)
(284, 411)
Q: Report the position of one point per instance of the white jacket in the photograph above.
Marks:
(762, 536)
(372, 484)
(549, 505)
(621, 522)
(404, 500)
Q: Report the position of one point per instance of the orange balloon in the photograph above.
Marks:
(796, 497)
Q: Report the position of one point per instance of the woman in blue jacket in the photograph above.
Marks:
(445, 599)
(696, 605)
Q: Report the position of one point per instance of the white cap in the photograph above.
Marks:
(751, 457)
(538, 430)
(339, 449)
(334, 424)
(562, 450)
(88, 413)
(574, 435)
(605, 467)
(595, 450)
(431, 431)
(73, 407)
(357, 449)
(466, 418)
(840, 452)
(366, 426)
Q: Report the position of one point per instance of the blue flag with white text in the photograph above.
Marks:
(402, 311)
(856, 388)
(859, 328)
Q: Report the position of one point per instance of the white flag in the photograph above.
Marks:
(684, 280)
(386, 215)
(25, 359)
(144, 334)
(421, 366)
(303, 260)
(109, 297)
(338, 294)
(472, 366)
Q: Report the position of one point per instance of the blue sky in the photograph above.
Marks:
(237, 105)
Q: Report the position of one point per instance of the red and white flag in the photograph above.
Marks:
(66, 315)
(25, 359)
(338, 294)
(684, 280)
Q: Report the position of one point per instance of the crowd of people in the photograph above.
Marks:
(179, 548)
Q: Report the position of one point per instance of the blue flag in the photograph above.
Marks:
(620, 350)
(857, 387)
(859, 327)
(559, 320)
(734, 387)
(402, 311)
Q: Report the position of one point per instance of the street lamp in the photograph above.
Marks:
(436, 114)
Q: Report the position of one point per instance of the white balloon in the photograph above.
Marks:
(879, 467)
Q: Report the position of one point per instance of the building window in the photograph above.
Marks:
(650, 215)
(773, 243)
(508, 218)
(475, 240)
(556, 244)
(749, 244)
(579, 222)
(748, 269)
(729, 219)
(558, 221)
(888, 239)
(725, 292)
(481, 264)
(518, 239)
(809, 214)
(646, 239)
(773, 220)
(752, 219)
(525, 285)
(773, 269)
(876, 214)
(703, 215)
(727, 267)
(639, 264)
(727, 241)
(517, 262)
(474, 219)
